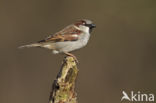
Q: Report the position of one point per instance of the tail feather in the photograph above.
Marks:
(30, 45)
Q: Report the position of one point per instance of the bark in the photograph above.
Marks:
(63, 89)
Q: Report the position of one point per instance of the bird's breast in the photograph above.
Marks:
(69, 46)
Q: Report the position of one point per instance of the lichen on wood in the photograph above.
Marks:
(63, 89)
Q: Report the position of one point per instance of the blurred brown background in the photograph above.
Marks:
(121, 54)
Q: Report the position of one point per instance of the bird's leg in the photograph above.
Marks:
(69, 54)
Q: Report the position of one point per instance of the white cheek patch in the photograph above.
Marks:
(84, 28)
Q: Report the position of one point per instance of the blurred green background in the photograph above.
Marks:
(121, 54)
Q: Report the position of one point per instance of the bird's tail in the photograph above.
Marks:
(30, 45)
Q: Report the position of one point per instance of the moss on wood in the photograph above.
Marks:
(63, 90)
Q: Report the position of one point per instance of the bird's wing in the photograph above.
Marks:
(70, 33)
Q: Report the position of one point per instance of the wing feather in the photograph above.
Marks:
(70, 33)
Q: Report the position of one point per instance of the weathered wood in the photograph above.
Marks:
(63, 89)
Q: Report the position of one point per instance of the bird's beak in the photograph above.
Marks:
(90, 25)
(93, 26)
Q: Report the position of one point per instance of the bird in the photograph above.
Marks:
(72, 37)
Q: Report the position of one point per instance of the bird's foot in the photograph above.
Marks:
(69, 54)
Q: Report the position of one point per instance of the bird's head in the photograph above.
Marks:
(85, 25)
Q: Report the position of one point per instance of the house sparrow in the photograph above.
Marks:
(72, 37)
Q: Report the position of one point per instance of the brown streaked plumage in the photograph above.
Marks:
(72, 37)
(67, 34)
